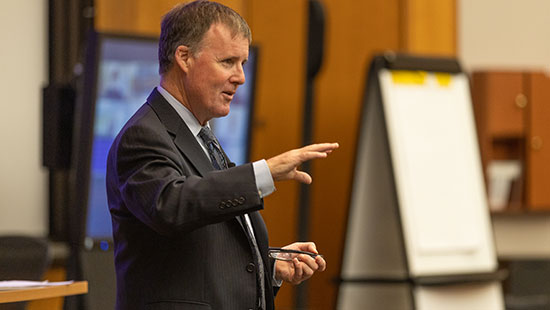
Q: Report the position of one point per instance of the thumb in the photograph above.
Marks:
(303, 177)
(313, 248)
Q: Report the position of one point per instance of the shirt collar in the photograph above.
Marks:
(183, 112)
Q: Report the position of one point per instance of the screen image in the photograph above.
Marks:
(127, 71)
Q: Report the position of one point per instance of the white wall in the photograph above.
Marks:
(509, 35)
(23, 71)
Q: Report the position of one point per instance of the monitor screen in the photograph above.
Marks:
(126, 70)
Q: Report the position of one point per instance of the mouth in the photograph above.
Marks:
(228, 94)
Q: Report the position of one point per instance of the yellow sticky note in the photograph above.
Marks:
(409, 77)
(443, 79)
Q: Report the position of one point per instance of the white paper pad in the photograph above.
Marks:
(17, 284)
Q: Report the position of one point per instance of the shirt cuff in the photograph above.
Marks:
(264, 180)
(274, 281)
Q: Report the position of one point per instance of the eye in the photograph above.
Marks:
(228, 61)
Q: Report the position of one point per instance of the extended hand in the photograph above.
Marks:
(285, 166)
(301, 267)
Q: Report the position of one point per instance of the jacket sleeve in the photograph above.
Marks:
(159, 186)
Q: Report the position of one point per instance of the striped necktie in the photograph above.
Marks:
(214, 149)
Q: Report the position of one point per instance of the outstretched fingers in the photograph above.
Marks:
(321, 147)
(285, 166)
(315, 151)
(313, 155)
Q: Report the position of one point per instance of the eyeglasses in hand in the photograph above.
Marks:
(288, 254)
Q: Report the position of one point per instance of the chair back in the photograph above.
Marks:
(22, 258)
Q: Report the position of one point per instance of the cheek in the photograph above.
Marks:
(212, 84)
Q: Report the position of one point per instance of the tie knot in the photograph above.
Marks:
(207, 136)
(213, 148)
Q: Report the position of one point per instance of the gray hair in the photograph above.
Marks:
(186, 24)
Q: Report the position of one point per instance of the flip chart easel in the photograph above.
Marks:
(419, 233)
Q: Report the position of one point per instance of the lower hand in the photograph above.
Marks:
(301, 267)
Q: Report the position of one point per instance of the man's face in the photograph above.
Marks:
(215, 72)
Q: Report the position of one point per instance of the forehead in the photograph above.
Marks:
(220, 39)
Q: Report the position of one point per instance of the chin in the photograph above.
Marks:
(221, 113)
(225, 109)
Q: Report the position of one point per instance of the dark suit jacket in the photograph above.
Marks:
(177, 242)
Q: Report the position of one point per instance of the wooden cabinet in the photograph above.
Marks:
(538, 142)
(512, 112)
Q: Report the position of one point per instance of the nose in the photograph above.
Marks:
(238, 76)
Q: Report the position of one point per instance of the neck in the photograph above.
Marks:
(175, 86)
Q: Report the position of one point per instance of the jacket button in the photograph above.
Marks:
(250, 267)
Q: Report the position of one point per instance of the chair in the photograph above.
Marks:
(22, 258)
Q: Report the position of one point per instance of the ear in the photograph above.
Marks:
(182, 57)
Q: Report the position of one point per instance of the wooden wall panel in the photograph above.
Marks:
(429, 27)
(278, 28)
(356, 30)
(142, 17)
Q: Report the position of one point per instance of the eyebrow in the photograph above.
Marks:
(234, 58)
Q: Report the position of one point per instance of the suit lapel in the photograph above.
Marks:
(183, 138)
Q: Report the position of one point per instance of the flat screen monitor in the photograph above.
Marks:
(124, 70)
(120, 73)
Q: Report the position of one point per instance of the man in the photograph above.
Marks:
(186, 226)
